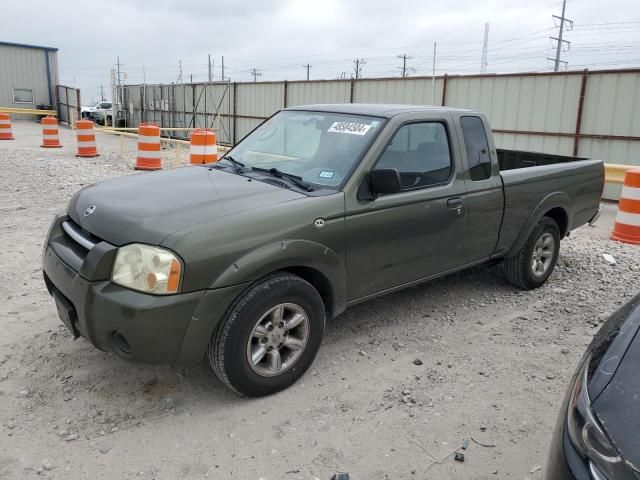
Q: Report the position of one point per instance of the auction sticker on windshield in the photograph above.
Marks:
(351, 128)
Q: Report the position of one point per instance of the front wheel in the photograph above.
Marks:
(269, 337)
(534, 263)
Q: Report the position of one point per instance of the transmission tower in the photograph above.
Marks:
(485, 47)
(559, 40)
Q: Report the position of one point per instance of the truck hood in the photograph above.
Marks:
(148, 207)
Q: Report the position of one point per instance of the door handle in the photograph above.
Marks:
(455, 202)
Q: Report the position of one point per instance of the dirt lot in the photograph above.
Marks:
(495, 365)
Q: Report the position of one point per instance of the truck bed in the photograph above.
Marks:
(526, 185)
(514, 159)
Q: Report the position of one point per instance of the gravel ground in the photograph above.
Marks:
(398, 379)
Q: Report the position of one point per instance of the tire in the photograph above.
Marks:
(519, 269)
(239, 336)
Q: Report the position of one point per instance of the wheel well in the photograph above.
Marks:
(559, 215)
(319, 282)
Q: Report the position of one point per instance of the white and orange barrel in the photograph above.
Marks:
(148, 157)
(50, 137)
(86, 139)
(203, 147)
(627, 226)
(5, 127)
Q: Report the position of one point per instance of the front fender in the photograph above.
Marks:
(288, 254)
(238, 276)
(551, 201)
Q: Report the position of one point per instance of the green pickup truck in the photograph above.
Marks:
(319, 208)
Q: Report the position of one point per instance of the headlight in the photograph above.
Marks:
(147, 269)
(587, 435)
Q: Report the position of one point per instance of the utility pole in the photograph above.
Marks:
(307, 66)
(118, 82)
(256, 73)
(144, 93)
(209, 64)
(102, 93)
(485, 47)
(558, 39)
(433, 76)
(405, 71)
(222, 69)
(358, 62)
(114, 93)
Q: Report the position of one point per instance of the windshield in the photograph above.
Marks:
(319, 147)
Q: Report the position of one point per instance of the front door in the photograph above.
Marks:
(419, 232)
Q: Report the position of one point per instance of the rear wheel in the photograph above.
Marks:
(534, 263)
(269, 337)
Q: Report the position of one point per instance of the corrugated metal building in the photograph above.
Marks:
(28, 75)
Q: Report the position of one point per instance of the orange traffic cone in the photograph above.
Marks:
(86, 139)
(5, 127)
(50, 138)
(627, 226)
(203, 148)
(148, 157)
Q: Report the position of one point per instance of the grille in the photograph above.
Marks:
(79, 236)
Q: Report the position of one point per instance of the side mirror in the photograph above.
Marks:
(385, 181)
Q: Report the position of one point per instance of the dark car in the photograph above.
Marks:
(597, 435)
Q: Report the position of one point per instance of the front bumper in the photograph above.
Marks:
(171, 329)
(152, 326)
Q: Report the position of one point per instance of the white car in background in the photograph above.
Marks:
(87, 112)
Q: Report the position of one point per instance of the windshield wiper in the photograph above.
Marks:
(295, 179)
(237, 166)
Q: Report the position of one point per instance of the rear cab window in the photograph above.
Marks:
(477, 147)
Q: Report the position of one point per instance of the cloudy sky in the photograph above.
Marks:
(278, 37)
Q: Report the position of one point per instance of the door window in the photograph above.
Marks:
(475, 141)
(420, 153)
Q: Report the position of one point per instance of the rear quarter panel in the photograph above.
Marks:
(532, 192)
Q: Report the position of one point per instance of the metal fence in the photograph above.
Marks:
(68, 104)
(191, 105)
(585, 113)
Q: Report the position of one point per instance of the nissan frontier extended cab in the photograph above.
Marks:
(319, 208)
